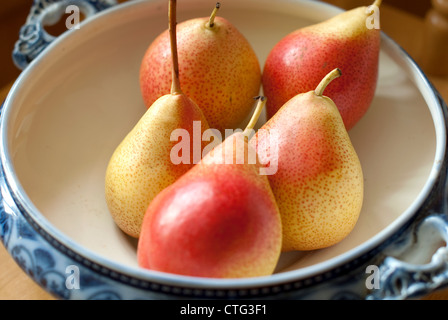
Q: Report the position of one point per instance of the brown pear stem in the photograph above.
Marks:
(377, 3)
(255, 116)
(336, 73)
(175, 86)
(211, 21)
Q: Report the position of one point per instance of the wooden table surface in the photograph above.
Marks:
(405, 29)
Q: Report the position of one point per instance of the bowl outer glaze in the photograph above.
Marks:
(289, 281)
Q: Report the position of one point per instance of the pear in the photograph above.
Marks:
(219, 220)
(219, 69)
(142, 164)
(349, 41)
(318, 184)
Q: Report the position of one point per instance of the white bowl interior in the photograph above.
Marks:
(83, 96)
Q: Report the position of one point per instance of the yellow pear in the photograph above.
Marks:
(142, 164)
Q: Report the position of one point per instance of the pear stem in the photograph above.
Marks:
(175, 86)
(377, 3)
(336, 73)
(211, 21)
(255, 116)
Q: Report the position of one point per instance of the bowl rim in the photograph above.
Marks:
(43, 226)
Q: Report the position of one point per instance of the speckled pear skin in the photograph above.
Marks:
(141, 166)
(301, 59)
(218, 220)
(319, 182)
(218, 70)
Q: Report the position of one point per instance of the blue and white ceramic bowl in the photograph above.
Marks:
(79, 96)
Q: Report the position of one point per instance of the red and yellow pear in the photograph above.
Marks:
(219, 220)
(219, 69)
(319, 183)
(349, 41)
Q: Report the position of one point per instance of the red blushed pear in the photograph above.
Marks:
(319, 184)
(349, 41)
(219, 220)
(141, 165)
(219, 70)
